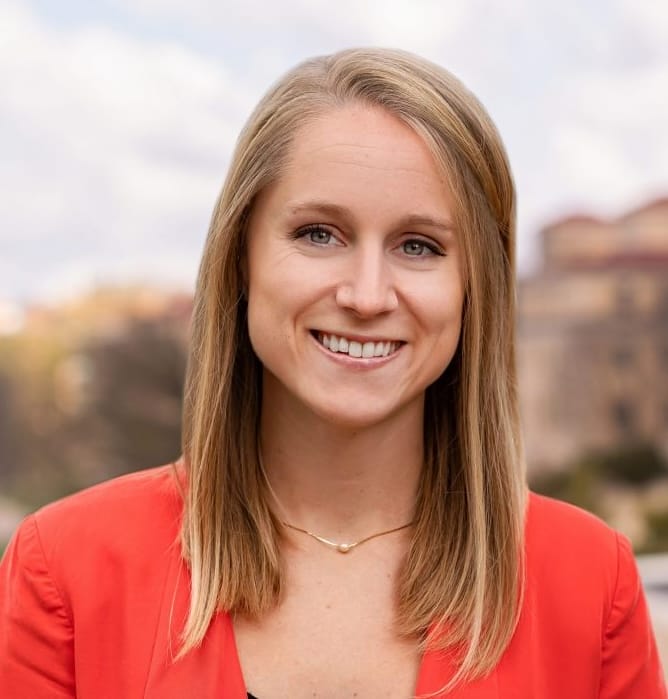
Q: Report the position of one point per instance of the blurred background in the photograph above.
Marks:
(117, 121)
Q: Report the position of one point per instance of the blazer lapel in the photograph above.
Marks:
(211, 670)
(437, 669)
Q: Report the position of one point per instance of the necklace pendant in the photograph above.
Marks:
(343, 548)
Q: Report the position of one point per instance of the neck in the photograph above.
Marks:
(340, 481)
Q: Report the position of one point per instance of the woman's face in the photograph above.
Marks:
(355, 287)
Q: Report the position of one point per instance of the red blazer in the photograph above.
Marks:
(93, 592)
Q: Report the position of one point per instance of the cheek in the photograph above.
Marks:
(442, 323)
(256, 324)
(272, 309)
(446, 338)
(268, 323)
(439, 304)
(255, 331)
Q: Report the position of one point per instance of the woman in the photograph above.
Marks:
(349, 517)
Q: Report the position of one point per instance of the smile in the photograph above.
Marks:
(355, 348)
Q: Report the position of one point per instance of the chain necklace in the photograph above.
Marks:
(344, 548)
(341, 548)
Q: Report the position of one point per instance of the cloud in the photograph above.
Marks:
(647, 20)
(115, 139)
(113, 148)
(605, 148)
(375, 21)
(584, 118)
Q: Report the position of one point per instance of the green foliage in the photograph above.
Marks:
(134, 399)
(632, 464)
(657, 524)
(76, 412)
(579, 485)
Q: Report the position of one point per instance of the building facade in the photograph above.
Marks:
(593, 338)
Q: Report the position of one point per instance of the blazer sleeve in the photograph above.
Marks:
(36, 631)
(630, 661)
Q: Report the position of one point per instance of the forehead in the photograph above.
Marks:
(364, 158)
(368, 136)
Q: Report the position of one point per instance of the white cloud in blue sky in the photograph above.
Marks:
(117, 119)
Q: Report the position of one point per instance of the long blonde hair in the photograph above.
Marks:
(461, 585)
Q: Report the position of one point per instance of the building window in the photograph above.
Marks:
(622, 356)
(624, 416)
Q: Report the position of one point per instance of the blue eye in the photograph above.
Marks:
(419, 248)
(316, 234)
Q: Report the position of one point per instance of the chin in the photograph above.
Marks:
(359, 418)
(352, 423)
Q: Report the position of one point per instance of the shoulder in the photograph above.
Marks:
(125, 517)
(556, 524)
(130, 494)
(584, 605)
(575, 559)
(86, 577)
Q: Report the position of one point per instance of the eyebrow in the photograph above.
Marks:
(329, 209)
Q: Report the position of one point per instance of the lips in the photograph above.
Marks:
(356, 348)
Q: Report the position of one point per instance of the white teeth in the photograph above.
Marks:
(366, 350)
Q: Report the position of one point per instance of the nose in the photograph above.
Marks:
(368, 288)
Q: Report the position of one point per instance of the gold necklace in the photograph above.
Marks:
(341, 548)
(344, 548)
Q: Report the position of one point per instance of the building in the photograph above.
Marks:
(593, 337)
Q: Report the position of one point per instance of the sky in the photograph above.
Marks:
(118, 117)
